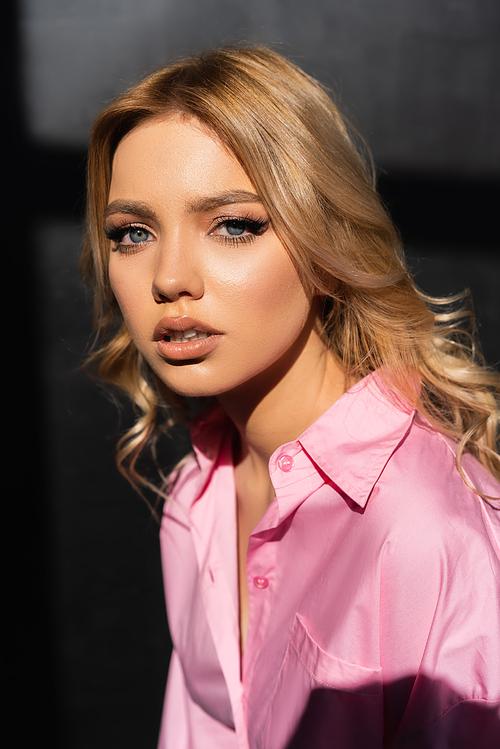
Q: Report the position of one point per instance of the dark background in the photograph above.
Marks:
(89, 643)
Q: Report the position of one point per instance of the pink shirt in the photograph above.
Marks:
(373, 580)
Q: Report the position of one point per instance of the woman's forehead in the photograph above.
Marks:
(175, 156)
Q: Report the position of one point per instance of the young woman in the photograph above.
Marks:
(331, 548)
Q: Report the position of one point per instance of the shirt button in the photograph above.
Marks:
(260, 582)
(285, 462)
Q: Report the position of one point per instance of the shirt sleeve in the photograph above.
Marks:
(184, 724)
(440, 640)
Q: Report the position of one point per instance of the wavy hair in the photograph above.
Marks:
(316, 179)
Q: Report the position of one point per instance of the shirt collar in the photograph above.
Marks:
(354, 439)
(351, 442)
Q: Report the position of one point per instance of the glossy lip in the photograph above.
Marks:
(190, 349)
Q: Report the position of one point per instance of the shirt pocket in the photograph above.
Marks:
(321, 701)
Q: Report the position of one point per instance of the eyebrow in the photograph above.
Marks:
(225, 198)
(132, 207)
(201, 205)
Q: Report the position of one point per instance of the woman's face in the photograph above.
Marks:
(208, 292)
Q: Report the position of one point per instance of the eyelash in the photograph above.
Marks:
(254, 226)
(116, 234)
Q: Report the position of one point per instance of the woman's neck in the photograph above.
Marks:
(278, 406)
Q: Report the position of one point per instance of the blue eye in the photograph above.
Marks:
(137, 234)
(134, 234)
(129, 238)
(235, 228)
(240, 230)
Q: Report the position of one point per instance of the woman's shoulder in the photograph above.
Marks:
(424, 500)
(430, 457)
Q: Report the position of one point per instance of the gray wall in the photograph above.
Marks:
(420, 76)
(421, 79)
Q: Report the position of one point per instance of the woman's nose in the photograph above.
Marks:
(177, 274)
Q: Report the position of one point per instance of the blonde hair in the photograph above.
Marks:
(316, 179)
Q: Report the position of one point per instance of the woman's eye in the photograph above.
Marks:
(137, 235)
(235, 228)
(127, 237)
(240, 230)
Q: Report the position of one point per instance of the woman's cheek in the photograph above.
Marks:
(132, 299)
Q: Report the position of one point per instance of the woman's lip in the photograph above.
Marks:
(169, 325)
(187, 350)
(184, 350)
